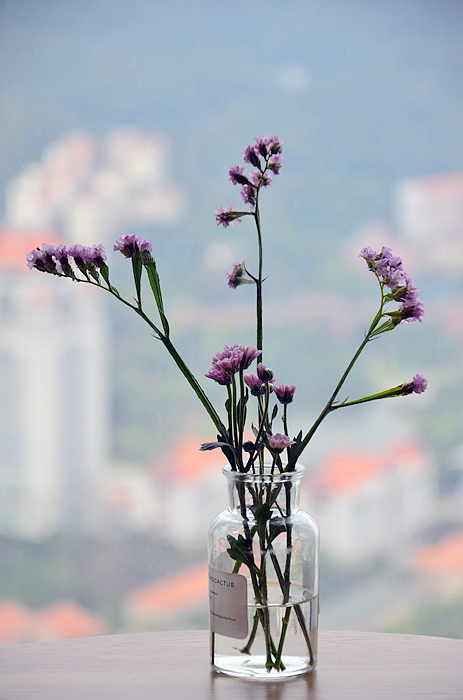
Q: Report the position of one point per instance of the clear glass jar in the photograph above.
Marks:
(263, 578)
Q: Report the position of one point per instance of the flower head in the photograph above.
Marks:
(236, 175)
(237, 276)
(420, 384)
(232, 359)
(264, 373)
(278, 442)
(226, 216)
(284, 393)
(256, 385)
(42, 259)
(417, 386)
(130, 244)
(219, 375)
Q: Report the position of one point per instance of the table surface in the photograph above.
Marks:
(171, 665)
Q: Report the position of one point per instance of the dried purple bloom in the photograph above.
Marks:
(226, 216)
(389, 270)
(275, 164)
(264, 373)
(236, 276)
(250, 353)
(82, 256)
(61, 255)
(260, 179)
(284, 392)
(42, 259)
(219, 376)
(234, 358)
(274, 144)
(256, 386)
(249, 194)
(236, 175)
(414, 312)
(131, 244)
(250, 156)
(420, 384)
(417, 386)
(278, 442)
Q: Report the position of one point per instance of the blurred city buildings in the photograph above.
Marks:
(54, 336)
(56, 470)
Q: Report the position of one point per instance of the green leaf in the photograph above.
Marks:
(104, 269)
(239, 550)
(276, 527)
(155, 284)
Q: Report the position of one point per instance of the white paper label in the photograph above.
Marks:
(228, 604)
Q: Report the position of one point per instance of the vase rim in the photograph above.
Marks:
(277, 477)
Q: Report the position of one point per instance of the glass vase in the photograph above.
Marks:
(263, 578)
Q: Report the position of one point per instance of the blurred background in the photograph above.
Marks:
(124, 118)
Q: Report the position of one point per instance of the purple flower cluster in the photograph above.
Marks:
(232, 359)
(57, 259)
(264, 156)
(390, 271)
(131, 244)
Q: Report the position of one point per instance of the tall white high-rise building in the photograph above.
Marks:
(54, 411)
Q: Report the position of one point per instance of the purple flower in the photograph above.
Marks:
(261, 145)
(131, 244)
(250, 156)
(285, 393)
(260, 179)
(275, 164)
(389, 270)
(264, 373)
(250, 353)
(417, 386)
(236, 175)
(234, 358)
(42, 259)
(274, 144)
(420, 384)
(249, 194)
(226, 216)
(256, 386)
(83, 256)
(218, 375)
(278, 442)
(236, 276)
(61, 255)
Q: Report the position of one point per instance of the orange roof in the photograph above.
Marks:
(172, 595)
(16, 624)
(345, 470)
(66, 620)
(186, 461)
(445, 557)
(15, 244)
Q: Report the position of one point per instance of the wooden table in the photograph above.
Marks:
(175, 665)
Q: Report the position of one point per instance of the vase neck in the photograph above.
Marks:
(279, 492)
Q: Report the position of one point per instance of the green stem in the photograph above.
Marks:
(259, 281)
